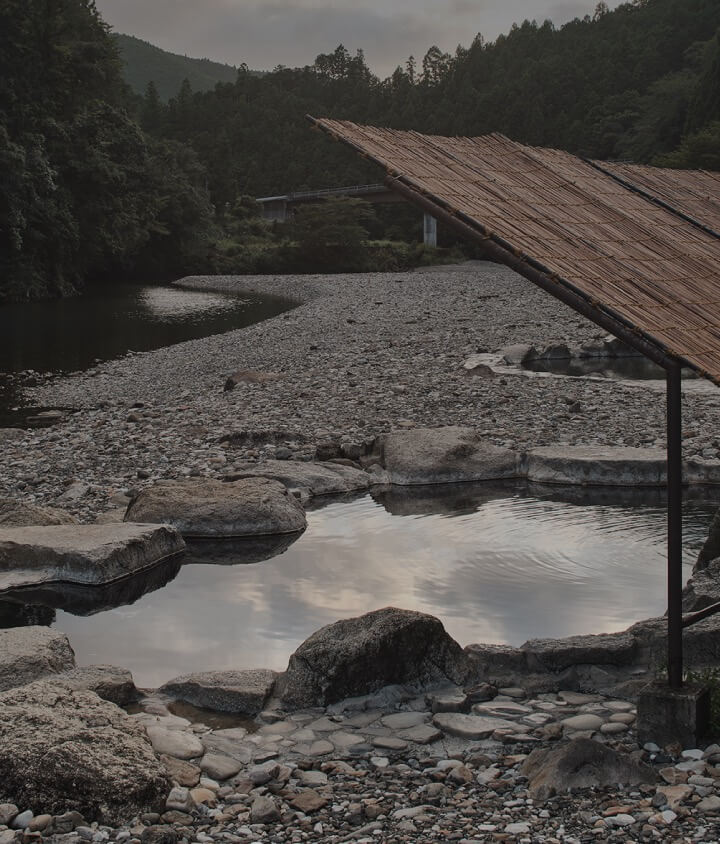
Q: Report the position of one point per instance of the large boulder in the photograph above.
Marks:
(244, 692)
(442, 455)
(24, 514)
(29, 653)
(703, 588)
(203, 507)
(85, 554)
(316, 478)
(581, 763)
(711, 547)
(357, 656)
(63, 750)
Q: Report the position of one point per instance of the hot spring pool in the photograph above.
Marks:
(495, 562)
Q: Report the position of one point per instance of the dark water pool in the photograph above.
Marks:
(618, 369)
(67, 335)
(70, 334)
(496, 563)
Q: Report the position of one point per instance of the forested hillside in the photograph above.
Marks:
(99, 182)
(636, 83)
(144, 63)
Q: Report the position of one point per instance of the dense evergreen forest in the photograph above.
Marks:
(98, 182)
(144, 63)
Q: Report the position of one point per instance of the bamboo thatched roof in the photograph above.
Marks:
(639, 245)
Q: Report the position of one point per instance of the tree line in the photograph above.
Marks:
(98, 181)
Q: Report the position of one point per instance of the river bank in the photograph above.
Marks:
(363, 355)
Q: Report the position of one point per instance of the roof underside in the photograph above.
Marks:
(639, 244)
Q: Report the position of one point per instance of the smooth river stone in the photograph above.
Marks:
(404, 720)
(473, 727)
(219, 767)
(389, 743)
(175, 743)
(320, 748)
(583, 722)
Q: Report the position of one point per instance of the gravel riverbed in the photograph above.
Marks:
(363, 354)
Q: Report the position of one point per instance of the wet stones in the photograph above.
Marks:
(206, 508)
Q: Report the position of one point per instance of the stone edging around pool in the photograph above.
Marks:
(265, 500)
(454, 454)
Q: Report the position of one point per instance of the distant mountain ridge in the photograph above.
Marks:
(143, 63)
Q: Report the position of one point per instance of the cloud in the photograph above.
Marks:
(265, 33)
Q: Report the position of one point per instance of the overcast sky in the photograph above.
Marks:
(265, 33)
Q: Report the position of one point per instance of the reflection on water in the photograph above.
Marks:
(619, 369)
(497, 563)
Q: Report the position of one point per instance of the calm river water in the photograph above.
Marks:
(496, 563)
(66, 335)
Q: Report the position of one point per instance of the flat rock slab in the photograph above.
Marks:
(82, 554)
(206, 508)
(243, 692)
(317, 478)
(404, 720)
(593, 649)
(443, 455)
(597, 465)
(29, 653)
(66, 751)
(177, 743)
(23, 514)
(472, 727)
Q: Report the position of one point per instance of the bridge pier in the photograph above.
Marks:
(429, 230)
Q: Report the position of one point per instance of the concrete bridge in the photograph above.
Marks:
(280, 207)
